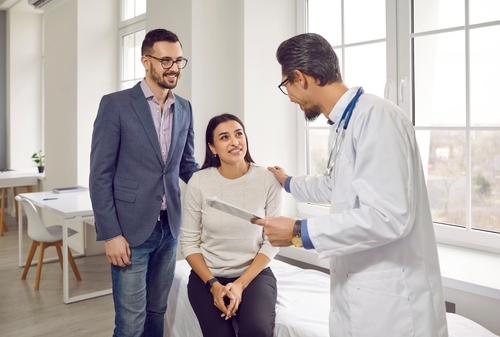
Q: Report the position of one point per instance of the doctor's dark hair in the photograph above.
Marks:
(210, 159)
(157, 35)
(311, 54)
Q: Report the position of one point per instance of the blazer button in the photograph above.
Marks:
(159, 198)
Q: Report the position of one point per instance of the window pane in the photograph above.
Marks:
(127, 9)
(320, 121)
(366, 66)
(364, 20)
(128, 57)
(485, 180)
(439, 79)
(318, 151)
(446, 177)
(325, 19)
(140, 7)
(437, 14)
(484, 76)
(483, 11)
(132, 8)
(127, 84)
(139, 68)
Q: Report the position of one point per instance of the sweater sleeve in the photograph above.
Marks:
(190, 237)
(273, 208)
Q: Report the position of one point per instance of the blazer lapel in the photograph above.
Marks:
(143, 112)
(176, 124)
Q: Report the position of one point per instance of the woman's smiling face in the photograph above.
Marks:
(229, 142)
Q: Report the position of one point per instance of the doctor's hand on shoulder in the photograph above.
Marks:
(279, 173)
(279, 230)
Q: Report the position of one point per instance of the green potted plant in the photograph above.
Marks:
(38, 158)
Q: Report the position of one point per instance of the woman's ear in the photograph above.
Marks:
(212, 149)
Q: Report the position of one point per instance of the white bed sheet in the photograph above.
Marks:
(301, 310)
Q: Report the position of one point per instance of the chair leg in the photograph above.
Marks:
(59, 255)
(73, 265)
(43, 245)
(34, 244)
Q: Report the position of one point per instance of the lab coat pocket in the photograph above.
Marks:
(344, 196)
(379, 304)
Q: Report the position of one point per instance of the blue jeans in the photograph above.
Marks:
(140, 290)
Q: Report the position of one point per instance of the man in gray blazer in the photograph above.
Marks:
(143, 142)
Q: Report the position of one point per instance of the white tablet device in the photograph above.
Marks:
(231, 209)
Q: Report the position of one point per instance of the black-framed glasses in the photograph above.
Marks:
(282, 86)
(167, 63)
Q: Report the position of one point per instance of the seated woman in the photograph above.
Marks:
(230, 279)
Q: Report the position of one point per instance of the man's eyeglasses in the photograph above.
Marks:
(282, 86)
(167, 63)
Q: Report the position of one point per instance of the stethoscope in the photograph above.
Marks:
(339, 137)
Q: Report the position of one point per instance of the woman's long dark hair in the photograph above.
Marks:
(210, 159)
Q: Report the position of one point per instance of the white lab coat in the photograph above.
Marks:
(379, 236)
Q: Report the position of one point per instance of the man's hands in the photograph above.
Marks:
(118, 251)
(279, 174)
(279, 231)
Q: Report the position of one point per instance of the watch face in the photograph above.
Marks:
(297, 240)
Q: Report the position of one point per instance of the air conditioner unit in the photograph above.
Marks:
(44, 4)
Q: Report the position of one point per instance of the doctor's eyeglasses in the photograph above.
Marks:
(167, 63)
(282, 86)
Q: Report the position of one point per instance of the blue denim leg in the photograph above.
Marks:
(140, 290)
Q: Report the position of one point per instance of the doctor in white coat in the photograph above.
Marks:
(385, 276)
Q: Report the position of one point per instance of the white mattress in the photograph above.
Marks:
(301, 310)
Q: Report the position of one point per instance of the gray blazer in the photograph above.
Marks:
(127, 174)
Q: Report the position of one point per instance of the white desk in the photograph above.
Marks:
(69, 206)
(16, 178)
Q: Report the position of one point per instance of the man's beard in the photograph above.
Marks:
(312, 113)
(161, 82)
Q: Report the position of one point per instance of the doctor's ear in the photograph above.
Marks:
(301, 78)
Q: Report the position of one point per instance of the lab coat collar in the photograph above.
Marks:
(339, 108)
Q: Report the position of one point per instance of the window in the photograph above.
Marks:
(132, 8)
(436, 59)
(131, 34)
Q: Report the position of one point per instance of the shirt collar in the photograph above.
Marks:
(149, 94)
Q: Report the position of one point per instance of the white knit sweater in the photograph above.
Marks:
(228, 244)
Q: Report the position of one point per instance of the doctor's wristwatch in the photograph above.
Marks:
(296, 235)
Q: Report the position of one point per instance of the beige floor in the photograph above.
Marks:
(25, 312)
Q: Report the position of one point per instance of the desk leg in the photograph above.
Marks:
(2, 224)
(65, 262)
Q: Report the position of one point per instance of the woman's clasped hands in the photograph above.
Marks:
(227, 298)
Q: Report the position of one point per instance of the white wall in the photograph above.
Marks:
(24, 87)
(231, 48)
(97, 71)
(61, 86)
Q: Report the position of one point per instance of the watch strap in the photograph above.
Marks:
(209, 283)
(297, 228)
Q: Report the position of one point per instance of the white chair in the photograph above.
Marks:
(44, 237)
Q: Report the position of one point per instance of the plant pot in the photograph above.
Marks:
(40, 169)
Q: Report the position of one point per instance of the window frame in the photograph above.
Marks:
(127, 27)
(399, 89)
